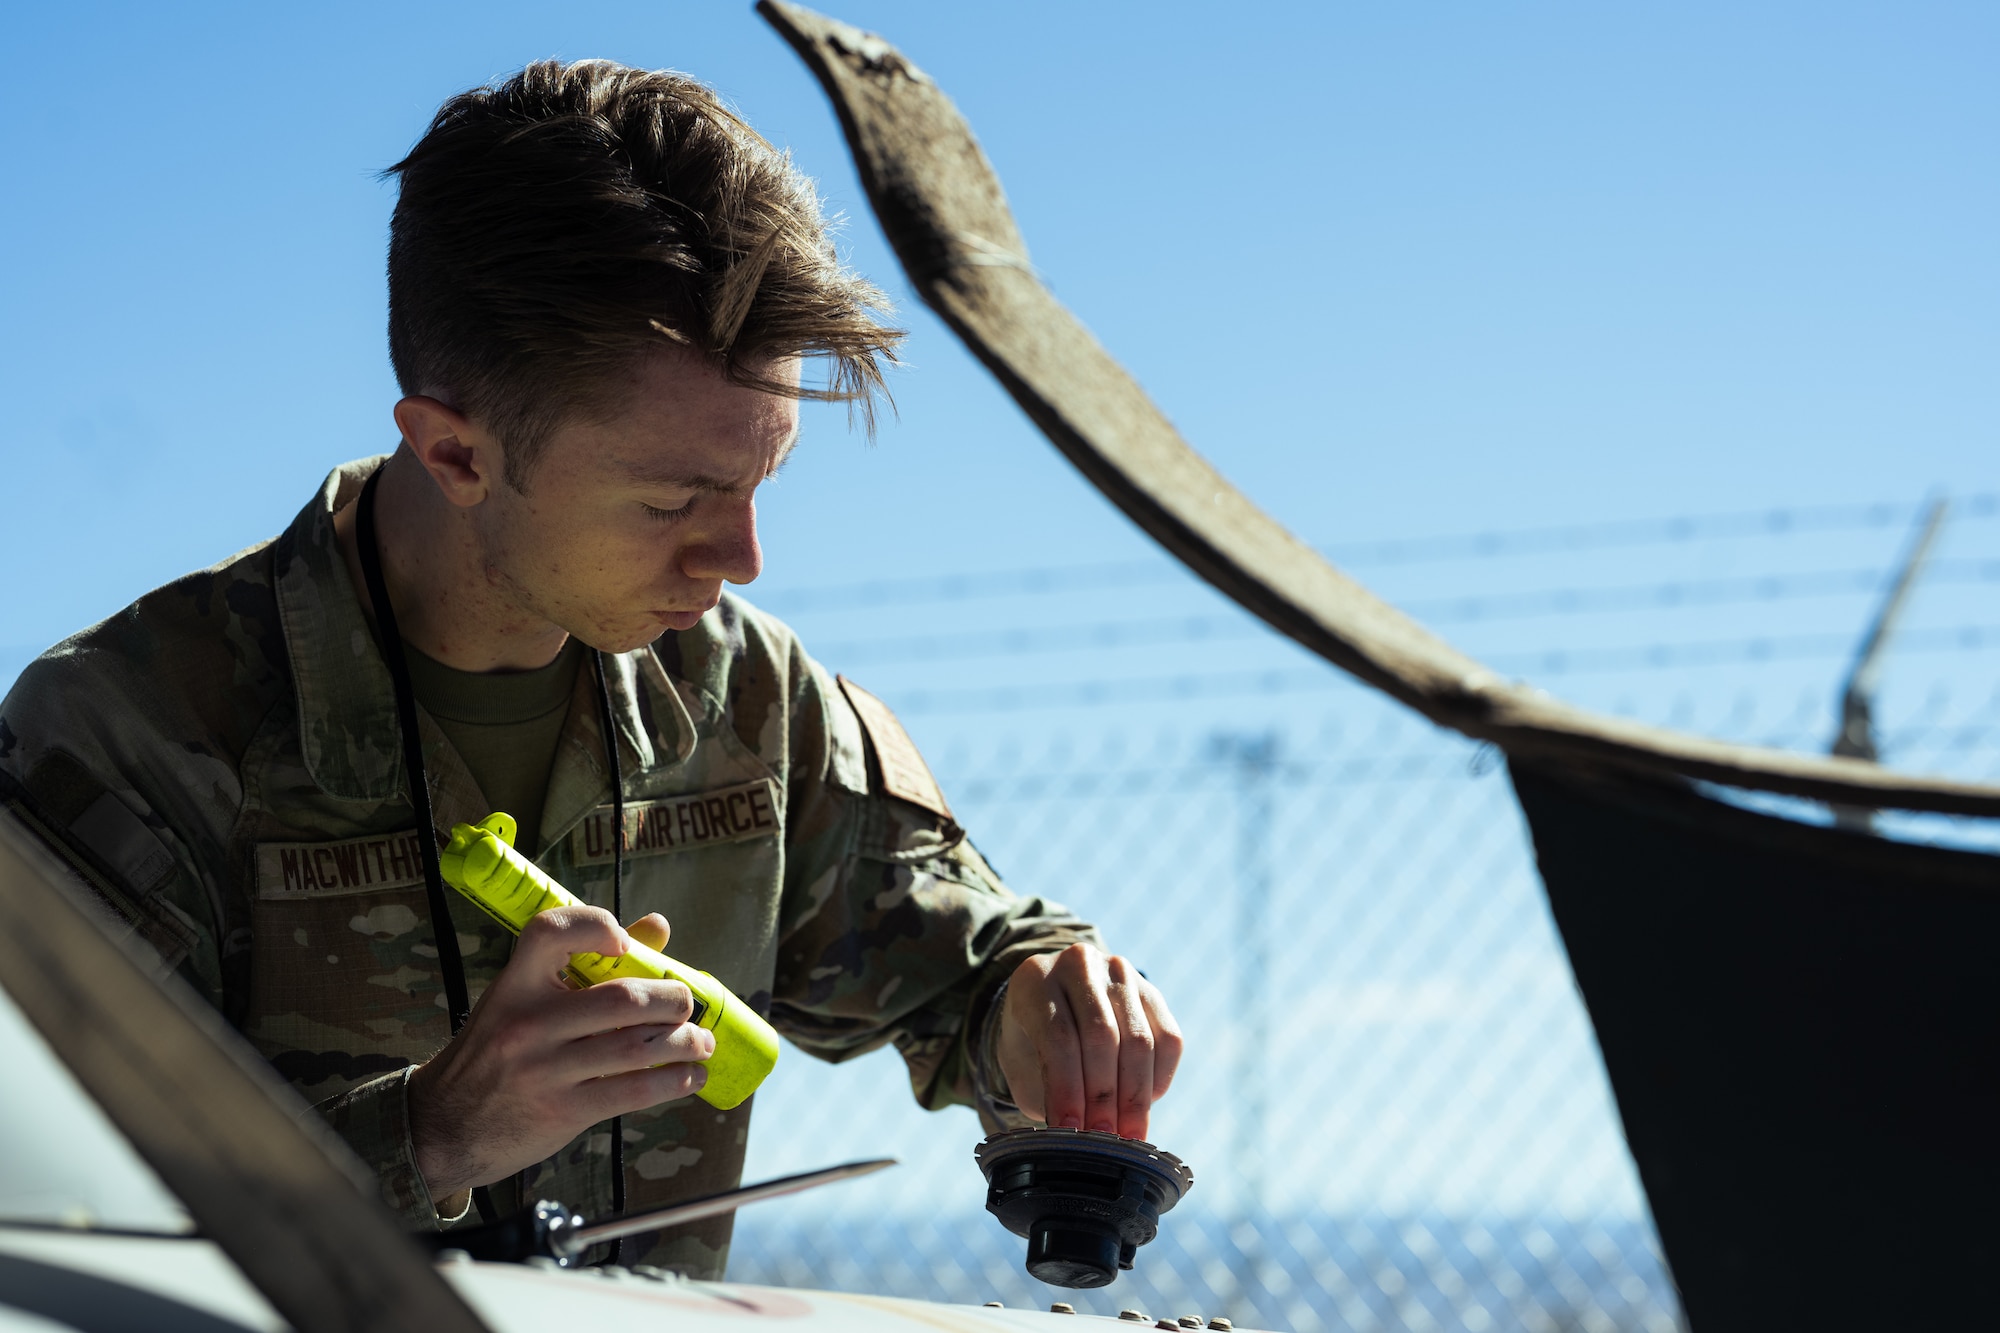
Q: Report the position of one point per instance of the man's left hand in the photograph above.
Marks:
(1086, 1042)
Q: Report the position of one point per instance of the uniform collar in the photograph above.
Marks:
(346, 701)
(347, 704)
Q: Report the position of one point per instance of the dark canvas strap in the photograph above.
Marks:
(457, 1001)
(608, 721)
(450, 962)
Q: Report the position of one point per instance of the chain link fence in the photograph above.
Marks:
(1392, 1102)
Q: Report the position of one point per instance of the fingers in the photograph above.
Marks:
(1020, 1053)
(1137, 1049)
(551, 937)
(1095, 1038)
(545, 949)
(1167, 1042)
(651, 930)
(1059, 1055)
(621, 1094)
(608, 1054)
(625, 1002)
(1077, 1036)
(538, 1061)
(1086, 981)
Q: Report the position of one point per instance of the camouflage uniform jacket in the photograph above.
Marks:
(222, 761)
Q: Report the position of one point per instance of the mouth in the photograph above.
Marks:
(683, 620)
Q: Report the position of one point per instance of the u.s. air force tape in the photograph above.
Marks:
(681, 823)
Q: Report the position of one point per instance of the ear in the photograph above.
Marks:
(461, 458)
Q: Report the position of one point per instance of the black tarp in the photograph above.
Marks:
(1802, 1026)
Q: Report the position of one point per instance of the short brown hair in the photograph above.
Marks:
(553, 228)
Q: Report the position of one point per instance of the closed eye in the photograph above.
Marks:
(669, 515)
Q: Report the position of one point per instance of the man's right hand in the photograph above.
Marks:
(539, 1062)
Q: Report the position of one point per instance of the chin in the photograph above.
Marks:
(628, 641)
(637, 633)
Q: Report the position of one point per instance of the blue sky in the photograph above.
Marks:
(1398, 270)
(1401, 271)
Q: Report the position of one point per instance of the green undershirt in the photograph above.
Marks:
(505, 725)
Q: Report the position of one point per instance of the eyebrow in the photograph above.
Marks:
(700, 481)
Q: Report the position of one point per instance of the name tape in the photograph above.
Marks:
(335, 869)
(681, 823)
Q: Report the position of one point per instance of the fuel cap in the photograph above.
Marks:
(1085, 1200)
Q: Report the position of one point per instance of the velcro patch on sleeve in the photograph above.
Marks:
(681, 823)
(904, 773)
(374, 864)
(123, 842)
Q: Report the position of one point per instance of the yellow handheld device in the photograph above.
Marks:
(481, 863)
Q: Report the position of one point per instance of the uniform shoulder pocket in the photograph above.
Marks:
(111, 848)
(896, 768)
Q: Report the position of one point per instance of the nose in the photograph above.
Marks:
(726, 548)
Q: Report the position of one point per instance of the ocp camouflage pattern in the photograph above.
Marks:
(221, 760)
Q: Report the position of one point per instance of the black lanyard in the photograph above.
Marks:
(450, 961)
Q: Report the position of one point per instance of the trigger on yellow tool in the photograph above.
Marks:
(501, 825)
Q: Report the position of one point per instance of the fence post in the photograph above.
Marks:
(1253, 761)
(1856, 738)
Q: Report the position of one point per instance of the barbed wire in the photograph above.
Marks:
(1110, 575)
(1160, 631)
(1713, 652)
(1397, 766)
(1414, 765)
(1543, 663)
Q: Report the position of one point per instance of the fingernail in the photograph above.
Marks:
(1103, 1127)
(1071, 1122)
